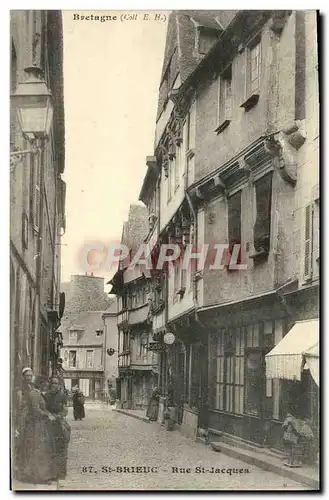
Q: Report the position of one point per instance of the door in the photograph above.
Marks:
(84, 386)
(180, 392)
(97, 389)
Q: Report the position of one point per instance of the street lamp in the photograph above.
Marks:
(33, 103)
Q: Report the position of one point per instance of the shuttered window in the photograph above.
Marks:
(253, 68)
(234, 223)
(72, 359)
(308, 243)
(90, 359)
(230, 370)
(225, 96)
(262, 227)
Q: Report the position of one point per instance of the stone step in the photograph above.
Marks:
(132, 414)
(305, 475)
(248, 445)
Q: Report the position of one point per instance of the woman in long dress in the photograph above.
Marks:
(59, 428)
(153, 406)
(34, 449)
(78, 405)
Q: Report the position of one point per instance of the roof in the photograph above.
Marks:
(181, 35)
(88, 321)
(112, 309)
(239, 25)
(135, 229)
(150, 177)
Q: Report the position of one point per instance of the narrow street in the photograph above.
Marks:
(107, 441)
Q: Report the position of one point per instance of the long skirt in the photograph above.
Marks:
(35, 452)
(59, 451)
(152, 410)
(78, 412)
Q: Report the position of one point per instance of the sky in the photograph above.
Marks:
(112, 74)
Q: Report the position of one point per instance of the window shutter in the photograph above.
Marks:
(220, 100)
(183, 278)
(234, 222)
(308, 242)
(228, 96)
(262, 227)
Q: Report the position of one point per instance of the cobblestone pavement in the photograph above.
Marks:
(107, 440)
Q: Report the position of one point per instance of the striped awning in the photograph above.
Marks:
(285, 360)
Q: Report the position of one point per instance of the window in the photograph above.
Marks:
(234, 223)
(73, 337)
(191, 128)
(254, 380)
(158, 291)
(143, 347)
(72, 359)
(195, 382)
(230, 370)
(169, 181)
(90, 359)
(225, 99)
(253, 68)
(124, 302)
(262, 226)
(253, 73)
(177, 271)
(125, 344)
(177, 161)
(190, 143)
(316, 234)
(133, 299)
(258, 390)
(183, 278)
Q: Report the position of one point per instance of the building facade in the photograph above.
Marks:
(37, 201)
(111, 353)
(84, 340)
(236, 163)
(137, 363)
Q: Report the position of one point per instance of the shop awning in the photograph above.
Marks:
(312, 362)
(285, 359)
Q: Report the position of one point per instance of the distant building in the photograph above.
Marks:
(84, 340)
(111, 346)
(138, 365)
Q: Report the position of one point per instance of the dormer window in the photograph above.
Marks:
(73, 337)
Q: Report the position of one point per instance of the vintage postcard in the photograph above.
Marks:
(164, 250)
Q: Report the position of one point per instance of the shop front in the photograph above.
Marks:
(249, 396)
(294, 363)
